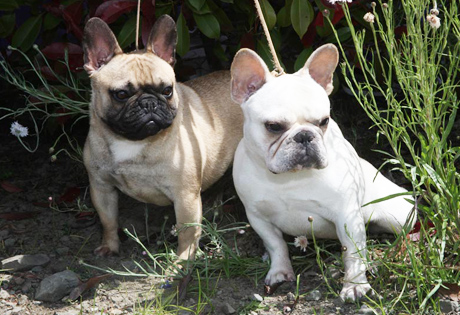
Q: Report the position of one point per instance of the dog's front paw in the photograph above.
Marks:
(277, 275)
(106, 250)
(352, 291)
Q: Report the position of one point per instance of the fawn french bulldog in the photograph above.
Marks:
(154, 139)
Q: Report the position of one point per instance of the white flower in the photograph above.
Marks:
(339, 1)
(369, 17)
(435, 22)
(19, 130)
(173, 230)
(302, 242)
(265, 257)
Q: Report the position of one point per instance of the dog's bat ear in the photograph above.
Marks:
(249, 73)
(163, 39)
(321, 66)
(99, 45)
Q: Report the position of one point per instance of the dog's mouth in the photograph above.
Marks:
(146, 117)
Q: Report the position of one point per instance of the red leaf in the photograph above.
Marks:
(452, 291)
(338, 15)
(148, 10)
(85, 286)
(146, 28)
(309, 37)
(48, 74)
(111, 10)
(319, 20)
(247, 41)
(18, 215)
(10, 187)
(56, 51)
(70, 195)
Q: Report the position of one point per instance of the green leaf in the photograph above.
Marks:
(302, 15)
(264, 52)
(163, 8)
(7, 24)
(224, 22)
(50, 22)
(219, 52)
(26, 34)
(8, 5)
(199, 6)
(283, 18)
(269, 13)
(183, 36)
(127, 34)
(302, 58)
(208, 25)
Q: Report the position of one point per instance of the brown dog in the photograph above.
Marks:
(154, 139)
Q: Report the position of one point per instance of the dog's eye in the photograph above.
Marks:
(324, 122)
(121, 95)
(274, 127)
(167, 91)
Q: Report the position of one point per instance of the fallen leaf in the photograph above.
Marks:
(10, 187)
(450, 291)
(69, 195)
(85, 286)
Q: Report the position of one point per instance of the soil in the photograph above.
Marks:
(67, 231)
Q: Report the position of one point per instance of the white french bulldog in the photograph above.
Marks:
(294, 162)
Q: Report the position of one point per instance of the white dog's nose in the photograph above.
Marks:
(304, 137)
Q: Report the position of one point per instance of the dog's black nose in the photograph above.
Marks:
(304, 137)
(147, 102)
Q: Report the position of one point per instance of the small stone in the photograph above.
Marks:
(10, 242)
(311, 273)
(314, 295)
(4, 294)
(26, 286)
(228, 309)
(22, 300)
(448, 306)
(19, 280)
(55, 287)
(257, 297)
(290, 297)
(24, 262)
(37, 269)
(115, 312)
(62, 251)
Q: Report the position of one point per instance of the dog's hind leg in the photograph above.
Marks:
(387, 216)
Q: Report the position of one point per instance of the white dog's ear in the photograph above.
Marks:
(321, 66)
(249, 73)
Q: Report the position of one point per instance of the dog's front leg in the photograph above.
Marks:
(105, 200)
(280, 264)
(188, 210)
(352, 235)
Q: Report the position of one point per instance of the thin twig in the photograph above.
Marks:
(278, 69)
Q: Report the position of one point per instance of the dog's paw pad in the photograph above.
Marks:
(352, 292)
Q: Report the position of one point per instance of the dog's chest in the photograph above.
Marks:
(135, 174)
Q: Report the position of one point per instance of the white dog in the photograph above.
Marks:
(294, 162)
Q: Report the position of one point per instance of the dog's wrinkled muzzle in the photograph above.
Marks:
(147, 116)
